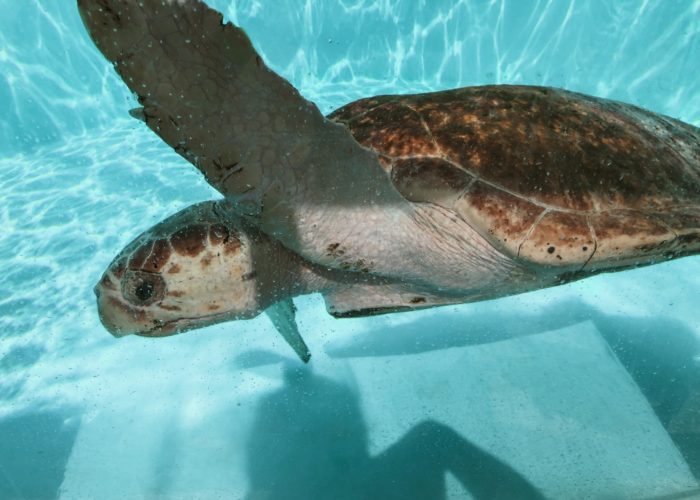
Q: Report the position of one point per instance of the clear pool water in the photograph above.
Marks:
(589, 390)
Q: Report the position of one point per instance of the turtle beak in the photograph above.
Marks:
(118, 318)
(114, 316)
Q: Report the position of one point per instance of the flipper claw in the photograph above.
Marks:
(283, 316)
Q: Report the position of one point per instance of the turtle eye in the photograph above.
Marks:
(142, 288)
(144, 291)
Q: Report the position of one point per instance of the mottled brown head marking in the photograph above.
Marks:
(138, 258)
(206, 260)
(218, 234)
(118, 268)
(189, 241)
(233, 245)
(160, 253)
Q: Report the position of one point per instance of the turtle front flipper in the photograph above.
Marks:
(283, 316)
(203, 88)
(207, 93)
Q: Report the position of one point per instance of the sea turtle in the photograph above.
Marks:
(390, 203)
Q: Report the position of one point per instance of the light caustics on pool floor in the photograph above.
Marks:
(526, 379)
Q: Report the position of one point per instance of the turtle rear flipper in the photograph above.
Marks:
(355, 301)
(207, 93)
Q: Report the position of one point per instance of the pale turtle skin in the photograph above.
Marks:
(390, 203)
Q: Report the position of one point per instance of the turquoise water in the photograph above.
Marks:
(589, 390)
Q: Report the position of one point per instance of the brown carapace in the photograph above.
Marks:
(548, 176)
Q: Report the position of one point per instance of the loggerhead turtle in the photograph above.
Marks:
(396, 202)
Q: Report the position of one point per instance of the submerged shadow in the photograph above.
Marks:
(310, 440)
(658, 352)
(450, 329)
(16, 361)
(34, 451)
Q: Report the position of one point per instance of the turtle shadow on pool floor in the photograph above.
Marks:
(310, 440)
(35, 450)
(658, 352)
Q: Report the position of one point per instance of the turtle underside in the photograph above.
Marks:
(549, 177)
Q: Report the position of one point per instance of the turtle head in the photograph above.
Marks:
(194, 269)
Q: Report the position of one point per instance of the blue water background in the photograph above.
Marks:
(83, 415)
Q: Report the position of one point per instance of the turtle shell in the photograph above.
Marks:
(548, 176)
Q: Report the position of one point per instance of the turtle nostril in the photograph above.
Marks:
(97, 291)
